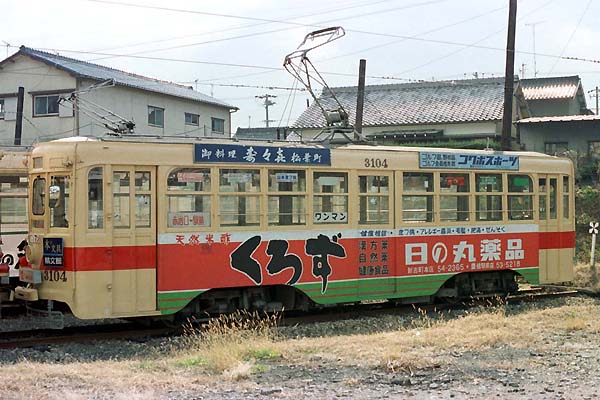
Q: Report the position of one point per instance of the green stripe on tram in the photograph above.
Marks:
(374, 288)
(532, 275)
(171, 302)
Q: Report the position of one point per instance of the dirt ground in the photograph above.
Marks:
(546, 350)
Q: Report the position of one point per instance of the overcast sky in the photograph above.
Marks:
(236, 42)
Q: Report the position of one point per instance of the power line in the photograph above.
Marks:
(572, 34)
(248, 86)
(319, 12)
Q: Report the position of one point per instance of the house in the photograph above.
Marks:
(434, 112)
(104, 98)
(554, 96)
(560, 121)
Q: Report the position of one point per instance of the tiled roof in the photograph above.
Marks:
(259, 133)
(85, 69)
(560, 87)
(416, 103)
(564, 118)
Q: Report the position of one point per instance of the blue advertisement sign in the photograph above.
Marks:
(53, 252)
(468, 161)
(250, 154)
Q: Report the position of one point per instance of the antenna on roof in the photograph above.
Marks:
(301, 68)
(7, 47)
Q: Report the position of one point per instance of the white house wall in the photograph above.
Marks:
(133, 104)
(34, 76)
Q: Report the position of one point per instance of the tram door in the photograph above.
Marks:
(548, 222)
(134, 239)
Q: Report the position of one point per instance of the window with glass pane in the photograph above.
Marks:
(1, 108)
(374, 207)
(520, 197)
(156, 116)
(241, 209)
(95, 199)
(566, 197)
(143, 199)
(417, 182)
(39, 194)
(553, 196)
(217, 125)
(59, 201)
(543, 196)
(287, 197)
(488, 206)
(456, 207)
(192, 119)
(417, 208)
(13, 200)
(121, 190)
(330, 199)
(45, 105)
(189, 201)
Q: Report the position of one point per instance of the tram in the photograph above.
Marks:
(13, 209)
(128, 228)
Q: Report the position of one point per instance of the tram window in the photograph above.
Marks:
(189, 179)
(284, 207)
(38, 162)
(189, 203)
(13, 184)
(121, 191)
(455, 207)
(374, 207)
(330, 199)
(417, 182)
(13, 210)
(543, 196)
(39, 194)
(58, 201)
(95, 199)
(417, 208)
(239, 180)
(488, 205)
(566, 197)
(188, 210)
(143, 199)
(520, 206)
(553, 193)
(241, 209)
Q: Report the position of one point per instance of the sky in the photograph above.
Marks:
(234, 49)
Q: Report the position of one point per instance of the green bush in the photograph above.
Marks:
(587, 209)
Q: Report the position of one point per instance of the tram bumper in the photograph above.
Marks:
(27, 294)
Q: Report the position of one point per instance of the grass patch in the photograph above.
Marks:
(231, 344)
(584, 276)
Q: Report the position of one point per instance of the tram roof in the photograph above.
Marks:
(346, 147)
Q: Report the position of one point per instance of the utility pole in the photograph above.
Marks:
(19, 121)
(532, 25)
(596, 96)
(267, 103)
(360, 96)
(509, 77)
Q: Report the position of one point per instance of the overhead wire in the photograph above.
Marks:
(572, 34)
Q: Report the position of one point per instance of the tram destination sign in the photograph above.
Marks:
(468, 161)
(53, 252)
(245, 154)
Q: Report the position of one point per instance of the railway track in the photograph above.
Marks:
(133, 331)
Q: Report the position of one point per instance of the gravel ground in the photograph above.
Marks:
(567, 368)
